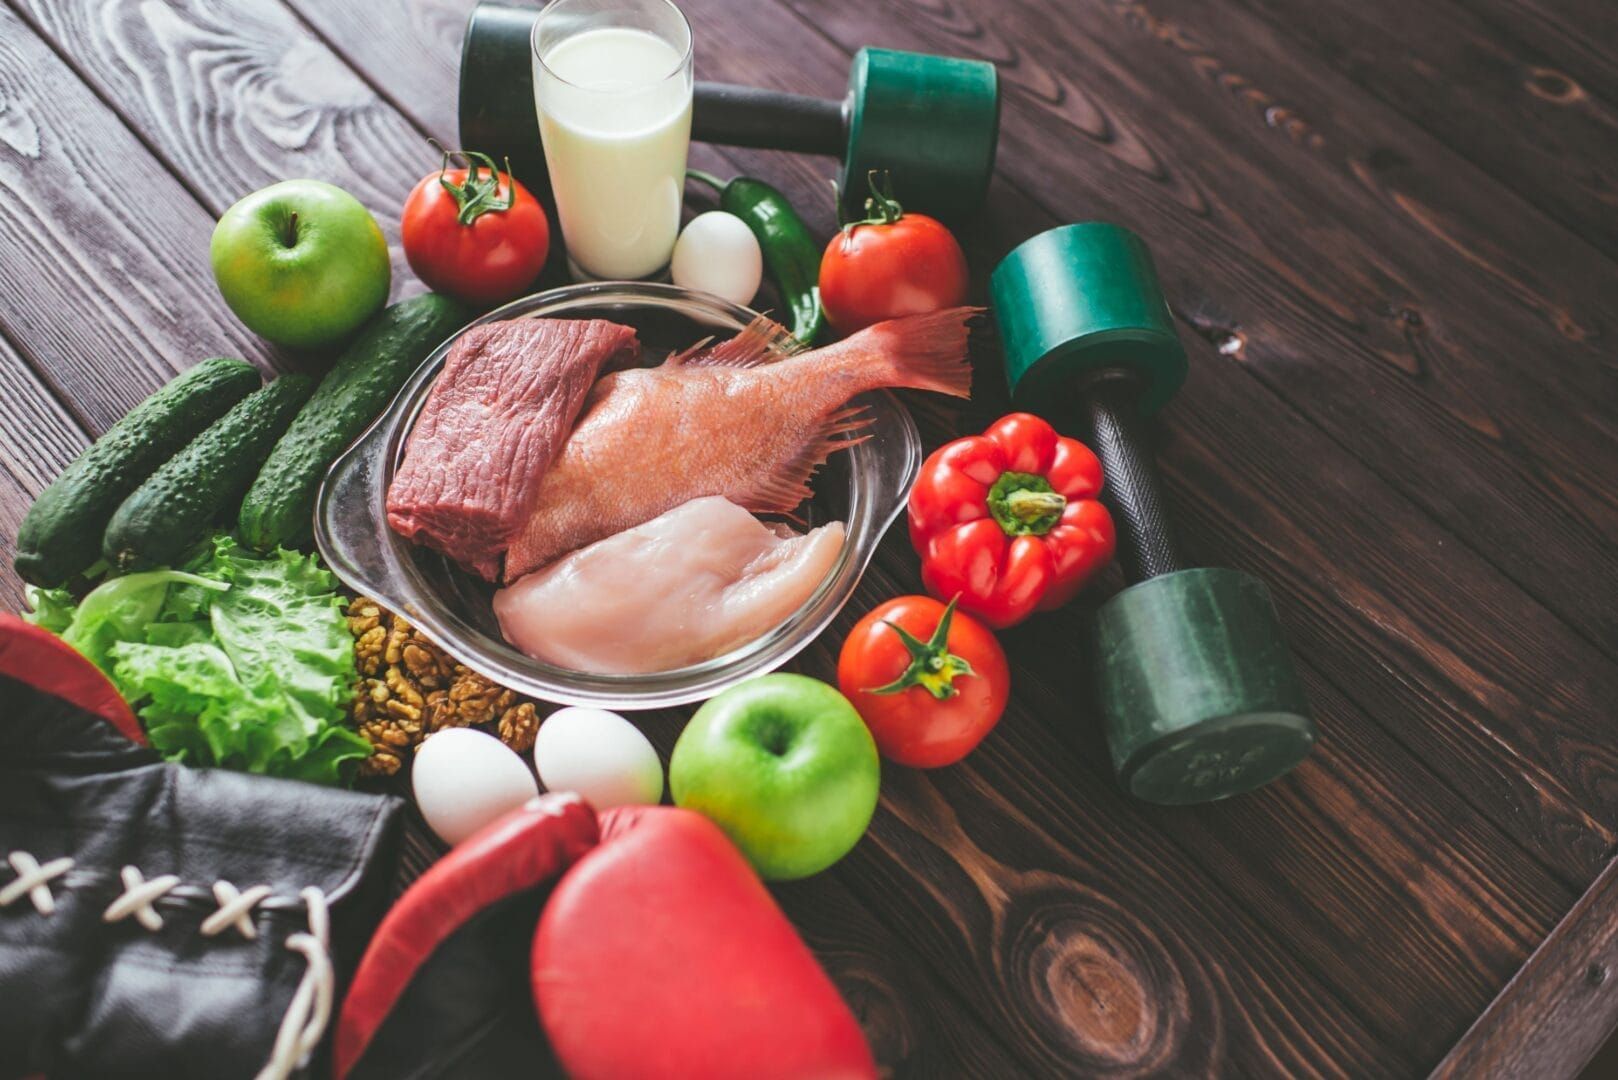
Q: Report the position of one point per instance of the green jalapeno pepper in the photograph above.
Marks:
(791, 255)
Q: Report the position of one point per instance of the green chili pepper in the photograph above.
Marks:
(790, 253)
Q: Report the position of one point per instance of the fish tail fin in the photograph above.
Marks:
(921, 352)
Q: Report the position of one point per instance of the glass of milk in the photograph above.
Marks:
(612, 86)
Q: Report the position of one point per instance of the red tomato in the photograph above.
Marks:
(929, 690)
(893, 264)
(476, 235)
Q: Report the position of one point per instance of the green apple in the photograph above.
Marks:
(786, 767)
(301, 262)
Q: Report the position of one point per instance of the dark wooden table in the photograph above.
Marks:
(1389, 231)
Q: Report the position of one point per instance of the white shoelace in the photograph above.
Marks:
(307, 1015)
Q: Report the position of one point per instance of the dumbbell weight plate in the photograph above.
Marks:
(497, 92)
(1078, 301)
(932, 121)
(1198, 691)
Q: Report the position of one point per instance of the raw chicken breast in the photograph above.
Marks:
(697, 582)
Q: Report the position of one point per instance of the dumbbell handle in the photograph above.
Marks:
(768, 119)
(1133, 492)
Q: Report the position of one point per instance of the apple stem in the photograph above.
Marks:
(291, 238)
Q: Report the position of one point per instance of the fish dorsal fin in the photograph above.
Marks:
(679, 359)
(762, 341)
(782, 490)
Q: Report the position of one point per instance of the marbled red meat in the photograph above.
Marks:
(493, 422)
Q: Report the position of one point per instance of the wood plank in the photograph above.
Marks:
(1398, 902)
(1049, 1002)
(234, 96)
(1485, 91)
(1451, 618)
(1370, 870)
(1396, 341)
(413, 57)
(1081, 956)
(909, 1025)
(1495, 950)
(1559, 1010)
(341, 23)
(1101, 948)
(1576, 34)
(37, 438)
(1416, 595)
(914, 1028)
(104, 255)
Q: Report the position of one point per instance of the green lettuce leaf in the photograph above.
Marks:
(50, 608)
(120, 610)
(232, 660)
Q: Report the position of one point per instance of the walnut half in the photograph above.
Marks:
(410, 688)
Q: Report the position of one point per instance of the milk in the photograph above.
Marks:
(614, 110)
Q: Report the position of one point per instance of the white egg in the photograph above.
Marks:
(718, 253)
(464, 779)
(601, 756)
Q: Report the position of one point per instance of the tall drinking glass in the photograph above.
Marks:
(612, 86)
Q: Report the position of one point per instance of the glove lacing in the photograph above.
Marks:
(304, 1023)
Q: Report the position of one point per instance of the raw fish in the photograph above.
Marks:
(741, 419)
(493, 421)
(693, 584)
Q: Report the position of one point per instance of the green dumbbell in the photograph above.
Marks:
(931, 121)
(1197, 688)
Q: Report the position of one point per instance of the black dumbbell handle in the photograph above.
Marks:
(1133, 492)
(769, 119)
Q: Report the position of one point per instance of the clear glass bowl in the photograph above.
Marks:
(864, 486)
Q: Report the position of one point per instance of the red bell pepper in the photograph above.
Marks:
(1008, 520)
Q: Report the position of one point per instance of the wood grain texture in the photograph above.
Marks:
(1303, 245)
(104, 256)
(1533, 115)
(1561, 1007)
(1389, 343)
(1057, 1032)
(1418, 961)
(913, 1029)
(235, 95)
(1215, 258)
(414, 57)
(37, 438)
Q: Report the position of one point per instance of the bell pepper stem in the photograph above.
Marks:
(1030, 506)
(932, 666)
(1025, 504)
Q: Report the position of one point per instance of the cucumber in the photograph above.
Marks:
(174, 508)
(279, 508)
(60, 536)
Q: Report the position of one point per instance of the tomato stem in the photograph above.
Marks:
(932, 666)
(881, 208)
(477, 194)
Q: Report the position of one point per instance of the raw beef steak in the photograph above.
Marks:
(494, 420)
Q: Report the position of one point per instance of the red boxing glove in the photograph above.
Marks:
(431, 986)
(661, 954)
